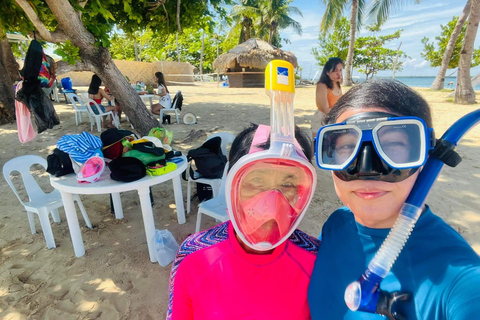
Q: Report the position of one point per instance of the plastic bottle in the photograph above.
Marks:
(142, 85)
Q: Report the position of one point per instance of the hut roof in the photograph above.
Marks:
(253, 53)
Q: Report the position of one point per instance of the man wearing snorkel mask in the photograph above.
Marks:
(256, 266)
(376, 141)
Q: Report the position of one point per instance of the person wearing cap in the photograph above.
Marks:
(223, 272)
(376, 141)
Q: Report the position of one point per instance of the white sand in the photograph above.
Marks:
(115, 279)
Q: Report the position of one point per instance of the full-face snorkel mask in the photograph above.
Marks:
(268, 191)
(374, 146)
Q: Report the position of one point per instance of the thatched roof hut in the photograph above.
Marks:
(245, 64)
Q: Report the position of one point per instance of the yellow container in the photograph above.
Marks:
(279, 76)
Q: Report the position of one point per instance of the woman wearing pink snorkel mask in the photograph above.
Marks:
(227, 272)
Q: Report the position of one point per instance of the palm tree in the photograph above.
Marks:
(243, 16)
(275, 15)
(439, 82)
(464, 92)
(379, 10)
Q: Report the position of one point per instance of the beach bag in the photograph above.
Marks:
(209, 159)
(162, 134)
(165, 247)
(204, 192)
(178, 99)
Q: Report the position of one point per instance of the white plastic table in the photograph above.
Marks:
(68, 185)
(149, 97)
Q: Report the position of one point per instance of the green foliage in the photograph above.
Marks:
(371, 55)
(155, 47)
(264, 19)
(68, 52)
(334, 44)
(433, 53)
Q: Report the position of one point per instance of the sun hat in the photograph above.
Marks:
(189, 118)
(91, 170)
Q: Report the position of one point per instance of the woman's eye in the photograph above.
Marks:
(345, 148)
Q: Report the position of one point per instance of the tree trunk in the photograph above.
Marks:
(396, 61)
(178, 17)
(347, 79)
(102, 64)
(7, 93)
(201, 55)
(439, 82)
(178, 47)
(464, 92)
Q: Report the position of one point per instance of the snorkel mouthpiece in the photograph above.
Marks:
(365, 294)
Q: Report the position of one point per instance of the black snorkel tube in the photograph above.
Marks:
(365, 294)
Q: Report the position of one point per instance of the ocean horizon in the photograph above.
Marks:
(422, 82)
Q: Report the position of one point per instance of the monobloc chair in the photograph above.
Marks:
(227, 138)
(215, 207)
(67, 87)
(79, 108)
(98, 117)
(174, 108)
(39, 202)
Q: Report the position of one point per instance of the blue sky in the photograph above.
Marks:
(416, 20)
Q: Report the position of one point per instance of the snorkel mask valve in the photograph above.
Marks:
(365, 294)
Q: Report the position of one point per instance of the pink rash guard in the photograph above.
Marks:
(212, 277)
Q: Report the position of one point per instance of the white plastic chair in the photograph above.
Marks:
(215, 207)
(79, 108)
(174, 108)
(227, 138)
(38, 202)
(98, 117)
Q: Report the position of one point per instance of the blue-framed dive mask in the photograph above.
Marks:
(374, 146)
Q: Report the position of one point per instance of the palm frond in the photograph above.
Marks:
(333, 12)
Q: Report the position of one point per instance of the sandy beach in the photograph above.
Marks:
(115, 278)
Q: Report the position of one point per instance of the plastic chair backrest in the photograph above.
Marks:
(227, 138)
(23, 164)
(88, 103)
(67, 83)
(74, 99)
(221, 192)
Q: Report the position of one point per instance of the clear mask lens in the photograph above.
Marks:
(268, 198)
(400, 144)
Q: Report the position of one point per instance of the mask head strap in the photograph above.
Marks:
(261, 136)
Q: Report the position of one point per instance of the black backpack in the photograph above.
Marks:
(209, 159)
(178, 99)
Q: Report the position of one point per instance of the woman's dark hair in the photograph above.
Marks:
(330, 65)
(161, 80)
(392, 96)
(243, 141)
(94, 84)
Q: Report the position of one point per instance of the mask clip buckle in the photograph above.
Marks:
(387, 302)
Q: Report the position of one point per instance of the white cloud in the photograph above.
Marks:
(421, 64)
(422, 16)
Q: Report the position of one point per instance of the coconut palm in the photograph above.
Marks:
(464, 92)
(379, 10)
(275, 15)
(439, 82)
(243, 15)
